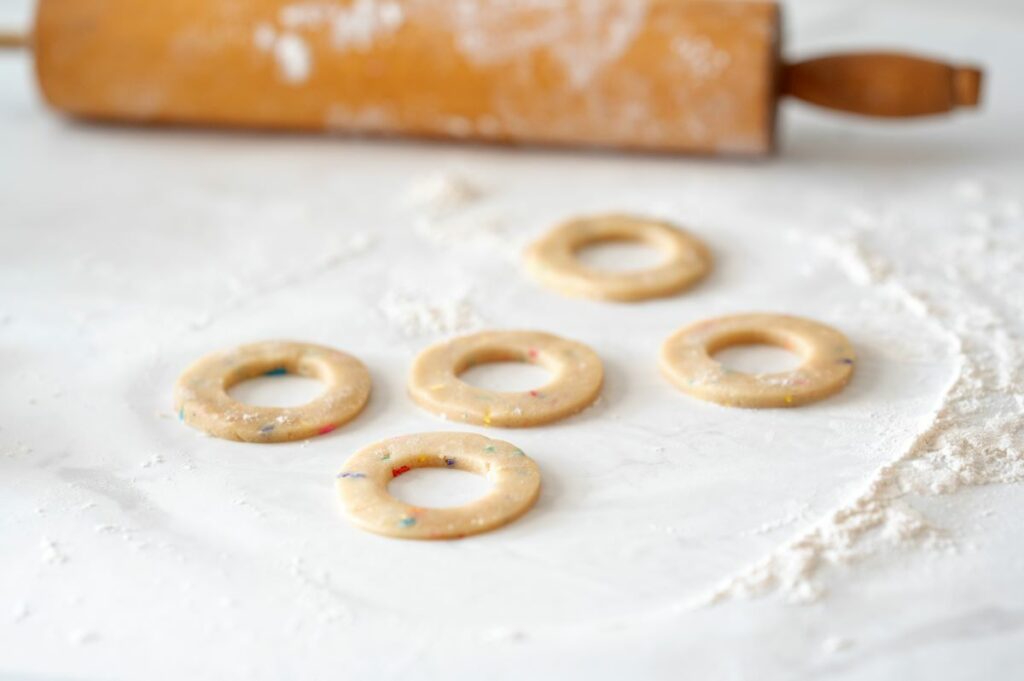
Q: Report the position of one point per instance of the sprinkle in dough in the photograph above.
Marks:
(552, 259)
(687, 361)
(578, 375)
(363, 485)
(202, 401)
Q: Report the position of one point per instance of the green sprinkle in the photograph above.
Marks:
(489, 448)
(407, 522)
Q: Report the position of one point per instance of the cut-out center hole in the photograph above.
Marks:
(758, 358)
(620, 255)
(438, 487)
(508, 377)
(284, 390)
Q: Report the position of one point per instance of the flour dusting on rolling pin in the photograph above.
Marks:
(700, 76)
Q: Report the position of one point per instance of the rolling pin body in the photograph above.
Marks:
(696, 76)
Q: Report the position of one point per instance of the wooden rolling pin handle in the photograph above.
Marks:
(883, 84)
(12, 40)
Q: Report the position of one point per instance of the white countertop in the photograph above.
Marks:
(132, 546)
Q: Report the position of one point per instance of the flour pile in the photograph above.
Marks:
(454, 212)
(415, 316)
(443, 193)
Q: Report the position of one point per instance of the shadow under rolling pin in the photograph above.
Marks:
(687, 76)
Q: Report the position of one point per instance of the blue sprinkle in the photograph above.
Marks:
(352, 475)
(449, 461)
(267, 428)
(846, 361)
(279, 371)
(181, 414)
(407, 522)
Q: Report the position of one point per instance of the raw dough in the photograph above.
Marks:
(552, 259)
(363, 485)
(686, 359)
(202, 401)
(434, 381)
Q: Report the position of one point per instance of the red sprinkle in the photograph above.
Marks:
(327, 429)
(395, 472)
(532, 353)
(534, 393)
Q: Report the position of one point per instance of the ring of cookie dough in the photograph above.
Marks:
(202, 400)
(552, 259)
(578, 375)
(828, 360)
(363, 485)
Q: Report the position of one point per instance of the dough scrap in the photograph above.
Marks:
(687, 361)
(202, 401)
(363, 485)
(552, 259)
(435, 385)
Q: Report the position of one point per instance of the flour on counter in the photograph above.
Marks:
(970, 190)
(442, 193)
(477, 231)
(974, 437)
(154, 460)
(835, 644)
(415, 316)
(282, 275)
(81, 637)
(770, 526)
(502, 635)
(453, 212)
(52, 553)
(21, 613)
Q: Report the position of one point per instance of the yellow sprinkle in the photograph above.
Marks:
(487, 417)
(437, 386)
(789, 399)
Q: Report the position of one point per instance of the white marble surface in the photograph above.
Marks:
(133, 547)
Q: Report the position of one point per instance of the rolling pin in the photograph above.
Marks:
(696, 76)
